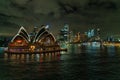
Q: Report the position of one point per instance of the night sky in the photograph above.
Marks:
(81, 15)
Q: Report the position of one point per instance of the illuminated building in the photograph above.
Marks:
(93, 33)
(79, 37)
(64, 33)
(41, 41)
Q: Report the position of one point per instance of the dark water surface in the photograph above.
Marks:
(91, 64)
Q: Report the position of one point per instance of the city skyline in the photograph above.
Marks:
(79, 15)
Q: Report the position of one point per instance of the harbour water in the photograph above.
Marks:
(76, 64)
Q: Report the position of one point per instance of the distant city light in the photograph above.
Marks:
(47, 26)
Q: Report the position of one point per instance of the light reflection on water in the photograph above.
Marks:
(76, 64)
(25, 58)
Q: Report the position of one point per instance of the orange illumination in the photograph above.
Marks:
(32, 48)
(19, 41)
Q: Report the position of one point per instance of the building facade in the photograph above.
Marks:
(41, 41)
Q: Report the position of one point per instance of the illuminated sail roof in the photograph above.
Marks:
(23, 33)
(40, 32)
(43, 32)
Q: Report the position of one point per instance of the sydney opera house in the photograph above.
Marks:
(41, 41)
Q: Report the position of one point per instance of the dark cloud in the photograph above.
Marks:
(101, 5)
(79, 14)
